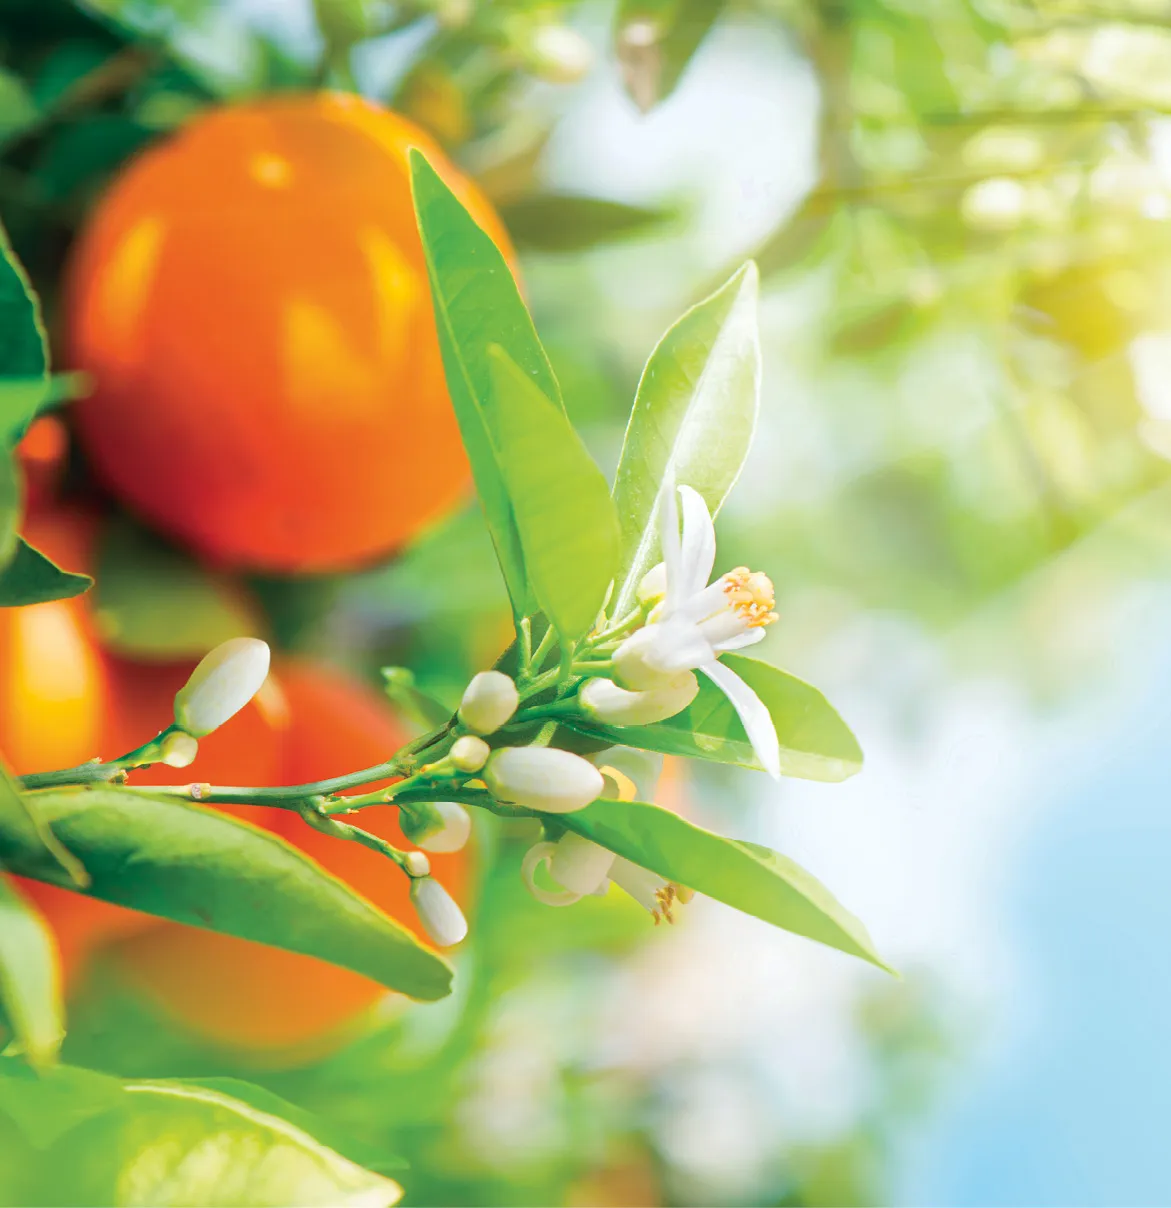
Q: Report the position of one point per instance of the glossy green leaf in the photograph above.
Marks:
(364, 1153)
(23, 347)
(815, 743)
(44, 849)
(751, 878)
(31, 578)
(477, 304)
(99, 1140)
(153, 602)
(694, 414)
(419, 706)
(560, 500)
(9, 504)
(30, 981)
(197, 866)
(569, 222)
(655, 41)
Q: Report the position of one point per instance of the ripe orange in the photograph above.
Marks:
(251, 300)
(261, 998)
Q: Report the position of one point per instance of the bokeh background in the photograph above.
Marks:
(960, 487)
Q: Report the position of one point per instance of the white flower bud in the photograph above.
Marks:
(442, 919)
(223, 683)
(656, 655)
(543, 778)
(179, 749)
(489, 701)
(470, 753)
(454, 831)
(417, 864)
(603, 699)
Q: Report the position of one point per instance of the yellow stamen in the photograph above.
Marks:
(750, 593)
(667, 897)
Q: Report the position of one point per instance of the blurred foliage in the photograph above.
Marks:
(960, 290)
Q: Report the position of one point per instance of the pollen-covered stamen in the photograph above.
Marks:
(750, 594)
(667, 897)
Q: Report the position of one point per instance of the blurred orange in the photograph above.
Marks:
(252, 301)
(247, 995)
(42, 453)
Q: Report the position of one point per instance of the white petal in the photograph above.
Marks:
(653, 657)
(758, 725)
(542, 853)
(669, 538)
(699, 543)
(639, 882)
(580, 864)
(748, 638)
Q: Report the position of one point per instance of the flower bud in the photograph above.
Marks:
(416, 864)
(542, 778)
(178, 749)
(489, 701)
(470, 753)
(604, 700)
(442, 826)
(223, 683)
(441, 918)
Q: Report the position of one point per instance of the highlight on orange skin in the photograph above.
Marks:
(249, 996)
(251, 299)
(42, 453)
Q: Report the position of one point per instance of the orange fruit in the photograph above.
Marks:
(248, 995)
(42, 453)
(251, 300)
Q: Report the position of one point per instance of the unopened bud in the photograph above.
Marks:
(440, 826)
(441, 918)
(470, 753)
(179, 749)
(489, 701)
(603, 699)
(223, 683)
(559, 54)
(543, 778)
(417, 864)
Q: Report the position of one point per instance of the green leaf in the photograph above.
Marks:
(339, 1138)
(23, 346)
(31, 578)
(568, 222)
(655, 41)
(477, 304)
(815, 743)
(754, 879)
(30, 982)
(104, 1141)
(694, 413)
(560, 500)
(423, 709)
(196, 866)
(43, 848)
(152, 602)
(9, 505)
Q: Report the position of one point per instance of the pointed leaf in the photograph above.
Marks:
(98, 1140)
(9, 505)
(477, 304)
(23, 347)
(560, 500)
(568, 222)
(695, 412)
(815, 743)
(751, 878)
(31, 578)
(30, 982)
(196, 866)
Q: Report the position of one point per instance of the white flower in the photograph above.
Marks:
(579, 865)
(469, 753)
(455, 828)
(488, 702)
(442, 919)
(695, 622)
(542, 778)
(223, 683)
(605, 700)
(583, 867)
